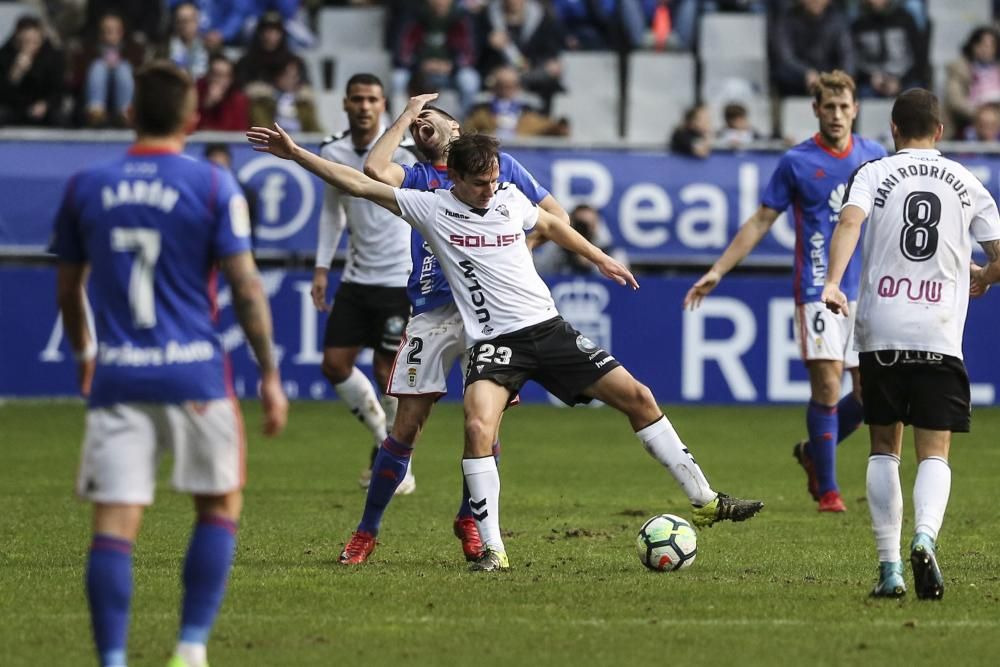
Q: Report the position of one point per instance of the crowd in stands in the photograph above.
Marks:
(69, 63)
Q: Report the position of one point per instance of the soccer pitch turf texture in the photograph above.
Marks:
(786, 588)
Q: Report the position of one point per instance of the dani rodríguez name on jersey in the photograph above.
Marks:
(172, 353)
(932, 171)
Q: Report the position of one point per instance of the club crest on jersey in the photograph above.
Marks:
(502, 210)
(585, 345)
(487, 330)
(411, 376)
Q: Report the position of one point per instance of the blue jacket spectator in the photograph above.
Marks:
(222, 21)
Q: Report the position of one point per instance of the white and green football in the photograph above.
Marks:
(666, 543)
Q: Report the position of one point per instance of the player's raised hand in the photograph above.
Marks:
(612, 268)
(274, 403)
(276, 141)
(835, 299)
(418, 102)
(701, 289)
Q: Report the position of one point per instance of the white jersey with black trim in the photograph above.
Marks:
(484, 257)
(921, 210)
(378, 246)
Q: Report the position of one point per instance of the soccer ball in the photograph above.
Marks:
(666, 543)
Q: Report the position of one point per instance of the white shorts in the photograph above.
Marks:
(431, 344)
(822, 334)
(124, 443)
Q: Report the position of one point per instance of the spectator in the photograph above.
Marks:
(292, 15)
(31, 77)
(738, 133)
(810, 37)
(891, 51)
(507, 114)
(145, 20)
(222, 21)
(222, 105)
(437, 50)
(623, 24)
(693, 137)
(108, 84)
(521, 34)
(64, 17)
(973, 80)
(550, 259)
(286, 100)
(219, 154)
(185, 46)
(985, 124)
(268, 52)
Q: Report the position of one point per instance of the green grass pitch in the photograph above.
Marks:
(787, 588)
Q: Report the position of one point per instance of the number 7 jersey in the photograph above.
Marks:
(921, 209)
(153, 226)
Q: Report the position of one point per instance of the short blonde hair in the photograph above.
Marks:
(834, 82)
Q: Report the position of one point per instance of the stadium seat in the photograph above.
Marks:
(947, 37)
(723, 36)
(971, 12)
(798, 122)
(350, 28)
(10, 12)
(329, 71)
(660, 87)
(330, 108)
(873, 119)
(592, 101)
(733, 56)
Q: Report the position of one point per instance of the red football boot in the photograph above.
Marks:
(358, 549)
(465, 530)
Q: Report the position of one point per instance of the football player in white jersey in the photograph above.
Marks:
(370, 308)
(148, 231)
(476, 230)
(915, 285)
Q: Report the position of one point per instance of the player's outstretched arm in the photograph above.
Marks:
(71, 280)
(842, 244)
(253, 311)
(570, 239)
(551, 205)
(278, 143)
(746, 239)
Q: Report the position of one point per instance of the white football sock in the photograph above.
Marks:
(662, 442)
(885, 503)
(483, 480)
(195, 655)
(359, 395)
(930, 495)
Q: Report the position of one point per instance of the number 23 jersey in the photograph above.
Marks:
(152, 226)
(921, 209)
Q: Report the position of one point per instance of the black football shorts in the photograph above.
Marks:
(368, 316)
(925, 389)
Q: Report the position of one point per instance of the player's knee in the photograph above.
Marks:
(229, 505)
(335, 370)
(639, 403)
(478, 431)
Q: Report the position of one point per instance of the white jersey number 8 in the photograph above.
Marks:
(145, 243)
